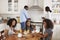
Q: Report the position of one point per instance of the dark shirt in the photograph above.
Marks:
(49, 31)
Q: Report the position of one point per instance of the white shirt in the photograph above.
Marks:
(23, 16)
(10, 31)
(3, 26)
(48, 15)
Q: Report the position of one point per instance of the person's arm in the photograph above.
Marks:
(48, 33)
(26, 14)
(6, 32)
(45, 35)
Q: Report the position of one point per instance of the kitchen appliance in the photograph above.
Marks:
(36, 6)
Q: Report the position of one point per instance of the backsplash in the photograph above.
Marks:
(36, 15)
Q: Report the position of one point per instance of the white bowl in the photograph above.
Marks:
(19, 35)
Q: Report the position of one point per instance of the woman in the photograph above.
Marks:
(12, 24)
(48, 12)
(48, 25)
(28, 26)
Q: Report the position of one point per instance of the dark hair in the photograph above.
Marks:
(47, 9)
(10, 22)
(27, 26)
(25, 6)
(49, 23)
(29, 19)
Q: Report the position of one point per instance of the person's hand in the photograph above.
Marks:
(41, 33)
(42, 36)
(6, 32)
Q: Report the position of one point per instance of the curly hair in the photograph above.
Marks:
(49, 23)
(10, 22)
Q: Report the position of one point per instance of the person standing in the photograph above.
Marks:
(23, 17)
(48, 14)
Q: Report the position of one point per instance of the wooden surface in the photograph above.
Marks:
(34, 36)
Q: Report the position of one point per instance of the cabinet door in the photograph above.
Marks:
(3, 6)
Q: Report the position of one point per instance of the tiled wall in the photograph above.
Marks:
(36, 15)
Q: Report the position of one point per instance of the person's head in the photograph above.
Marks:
(28, 23)
(26, 7)
(48, 24)
(47, 9)
(29, 19)
(12, 22)
(34, 27)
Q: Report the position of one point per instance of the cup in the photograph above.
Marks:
(19, 35)
(37, 31)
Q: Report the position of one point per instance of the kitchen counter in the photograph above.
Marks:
(36, 23)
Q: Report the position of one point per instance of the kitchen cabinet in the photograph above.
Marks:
(11, 6)
(3, 6)
(14, 6)
(56, 10)
(6, 6)
(56, 6)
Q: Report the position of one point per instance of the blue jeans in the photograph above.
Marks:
(23, 25)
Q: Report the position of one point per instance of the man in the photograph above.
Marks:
(23, 17)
